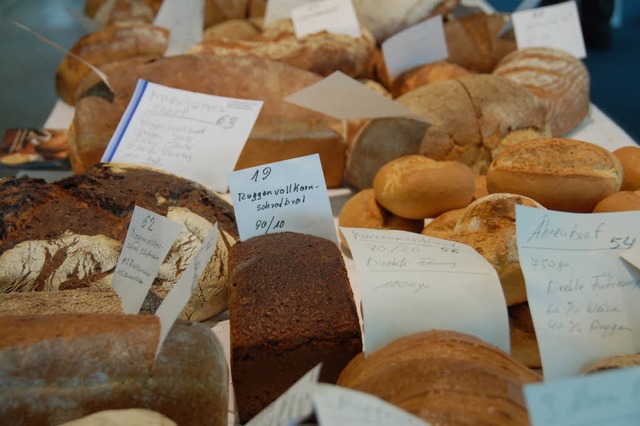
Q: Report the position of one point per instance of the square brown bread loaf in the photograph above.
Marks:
(291, 307)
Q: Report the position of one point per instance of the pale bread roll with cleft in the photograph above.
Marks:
(561, 174)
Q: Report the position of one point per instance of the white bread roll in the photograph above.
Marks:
(629, 156)
(621, 201)
(561, 174)
(418, 187)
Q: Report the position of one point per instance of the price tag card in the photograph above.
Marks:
(149, 238)
(336, 406)
(184, 20)
(181, 132)
(609, 398)
(182, 290)
(417, 45)
(556, 26)
(344, 98)
(289, 195)
(583, 298)
(293, 405)
(280, 9)
(412, 283)
(334, 16)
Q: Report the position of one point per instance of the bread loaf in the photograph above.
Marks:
(629, 156)
(288, 130)
(363, 211)
(561, 174)
(124, 417)
(57, 368)
(446, 378)
(68, 235)
(557, 78)
(442, 226)
(619, 202)
(471, 120)
(418, 187)
(290, 308)
(427, 74)
(112, 43)
(614, 362)
(108, 12)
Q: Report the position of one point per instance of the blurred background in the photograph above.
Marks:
(27, 75)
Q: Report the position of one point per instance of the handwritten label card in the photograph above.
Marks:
(336, 406)
(583, 298)
(609, 398)
(149, 238)
(344, 98)
(289, 195)
(412, 283)
(280, 9)
(632, 256)
(182, 132)
(418, 45)
(556, 26)
(184, 20)
(334, 16)
(182, 290)
(293, 405)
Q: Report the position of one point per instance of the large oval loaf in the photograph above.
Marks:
(561, 174)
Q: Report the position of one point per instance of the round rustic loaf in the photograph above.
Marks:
(418, 187)
(619, 202)
(489, 226)
(629, 156)
(557, 78)
(363, 211)
(561, 174)
(444, 377)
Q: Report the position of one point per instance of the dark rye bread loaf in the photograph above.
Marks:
(291, 307)
(56, 368)
(68, 234)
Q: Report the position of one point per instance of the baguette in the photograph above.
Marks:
(56, 368)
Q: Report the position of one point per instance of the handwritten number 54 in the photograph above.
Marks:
(148, 222)
(626, 242)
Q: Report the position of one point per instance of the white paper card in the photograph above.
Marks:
(412, 283)
(417, 45)
(583, 297)
(632, 256)
(295, 404)
(288, 195)
(183, 132)
(526, 5)
(149, 238)
(333, 16)
(182, 290)
(556, 26)
(280, 9)
(609, 398)
(184, 20)
(344, 98)
(337, 406)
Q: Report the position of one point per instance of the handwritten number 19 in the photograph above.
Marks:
(148, 222)
(264, 173)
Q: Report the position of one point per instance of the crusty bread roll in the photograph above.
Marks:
(442, 226)
(473, 41)
(561, 174)
(109, 12)
(234, 29)
(427, 74)
(363, 211)
(321, 53)
(481, 187)
(621, 201)
(446, 378)
(418, 187)
(471, 119)
(554, 76)
(489, 226)
(116, 42)
(629, 156)
(57, 368)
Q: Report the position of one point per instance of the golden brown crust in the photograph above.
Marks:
(418, 187)
(524, 344)
(427, 74)
(621, 201)
(614, 362)
(629, 156)
(442, 226)
(561, 174)
(554, 76)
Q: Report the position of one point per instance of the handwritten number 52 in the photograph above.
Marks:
(148, 222)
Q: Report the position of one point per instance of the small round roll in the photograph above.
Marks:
(362, 211)
(418, 187)
(629, 156)
(561, 174)
(442, 226)
(622, 201)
